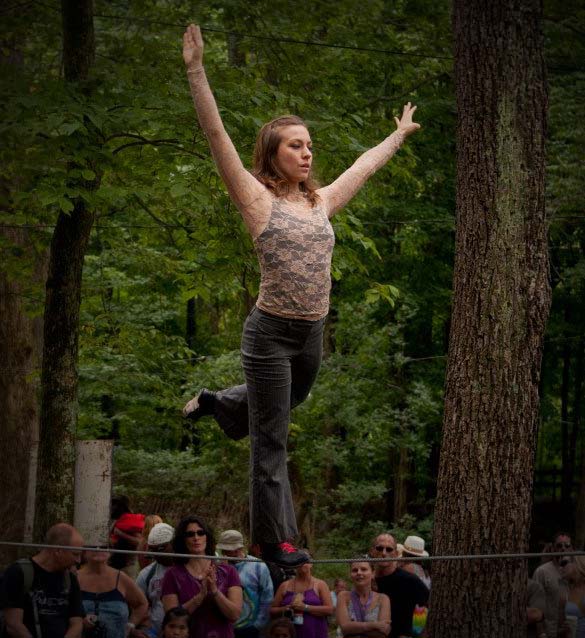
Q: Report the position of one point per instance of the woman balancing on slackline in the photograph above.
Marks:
(288, 218)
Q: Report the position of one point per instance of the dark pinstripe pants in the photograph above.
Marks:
(281, 359)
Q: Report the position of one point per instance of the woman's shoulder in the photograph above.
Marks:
(343, 596)
(286, 585)
(229, 573)
(382, 598)
(125, 582)
(321, 584)
(173, 571)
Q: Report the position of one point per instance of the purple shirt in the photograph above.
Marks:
(207, 621)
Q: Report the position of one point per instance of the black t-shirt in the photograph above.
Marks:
(405, 591)
(55, 606)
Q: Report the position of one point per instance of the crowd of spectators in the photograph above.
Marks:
(69, 593)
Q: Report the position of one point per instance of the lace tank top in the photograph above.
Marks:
(295, 263)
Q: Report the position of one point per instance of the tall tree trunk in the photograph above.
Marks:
(501, 302)
(56, 469)
(20, 353)
(21, 334)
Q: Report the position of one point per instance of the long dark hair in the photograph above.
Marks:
(265, 169)
(179, 545)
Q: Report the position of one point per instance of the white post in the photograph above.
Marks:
(93, 490)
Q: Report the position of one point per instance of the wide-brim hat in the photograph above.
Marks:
(230, 539)
(413, 546)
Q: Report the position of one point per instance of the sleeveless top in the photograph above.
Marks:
(295, 263)
(111, 609)
(313, 626)
(372, 614)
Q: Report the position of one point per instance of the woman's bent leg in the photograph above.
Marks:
(231, 411)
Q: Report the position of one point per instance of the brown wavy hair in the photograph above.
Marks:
(265, 169)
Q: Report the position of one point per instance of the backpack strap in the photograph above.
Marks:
(149, 577)
(28, 573)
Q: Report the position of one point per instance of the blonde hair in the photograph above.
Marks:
(580, 566)
(265, 168)
(149, 522)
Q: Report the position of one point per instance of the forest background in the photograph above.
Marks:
(170, 272)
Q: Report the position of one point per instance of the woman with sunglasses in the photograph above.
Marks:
(288, 218)
(362, 611)
(210, 592)
(114, 605)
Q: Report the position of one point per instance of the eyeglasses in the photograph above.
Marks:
(564, 545)
(565, 561)
(382, 548)
(195, 532)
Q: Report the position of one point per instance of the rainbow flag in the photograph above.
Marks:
(419, 620)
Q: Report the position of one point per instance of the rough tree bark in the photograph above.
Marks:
(20, 353)
(501, 303)
(61, 317)
(21, 335)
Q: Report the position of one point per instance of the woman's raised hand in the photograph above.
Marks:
(405, 123)
(193, 47)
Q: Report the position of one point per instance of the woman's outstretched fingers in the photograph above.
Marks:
(405, 123)
(193, 46)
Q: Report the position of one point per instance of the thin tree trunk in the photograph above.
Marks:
(501, 302)
(56, 470)
(401, 485)
(579, 450)
(575, 418)
(566, 474)
(191, 325)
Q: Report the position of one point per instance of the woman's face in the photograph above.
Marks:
(176, 628)
(304, 570)
(361, 573)
(97, 557)
(294, 155)
(195, 541)
(340, 585)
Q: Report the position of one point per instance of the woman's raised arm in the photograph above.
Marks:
(337, 195)
(247, 193)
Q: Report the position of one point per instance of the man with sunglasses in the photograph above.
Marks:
(405, 590)
(160, 540)
(550, 577)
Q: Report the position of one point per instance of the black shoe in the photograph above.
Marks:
(202, 405)
(284, 554)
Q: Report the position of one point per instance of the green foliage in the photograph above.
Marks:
(167, 239)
